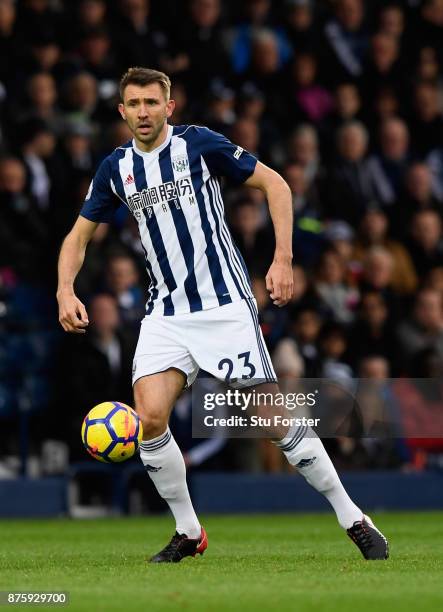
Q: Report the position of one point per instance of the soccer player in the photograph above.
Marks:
(201, 311)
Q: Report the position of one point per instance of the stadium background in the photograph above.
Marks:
(345, 100)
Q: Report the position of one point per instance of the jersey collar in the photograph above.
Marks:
(160, 147)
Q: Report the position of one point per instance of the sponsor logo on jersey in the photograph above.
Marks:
(159, 194)
(180, 163)
(238, 151)
(129, 180)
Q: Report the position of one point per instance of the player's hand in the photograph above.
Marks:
(280, 282)
(72, 313)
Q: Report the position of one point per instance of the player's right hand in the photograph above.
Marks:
(72, 313)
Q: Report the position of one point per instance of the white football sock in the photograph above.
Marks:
(164, 463)
(306, 452)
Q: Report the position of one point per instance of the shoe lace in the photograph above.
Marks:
(362, 536)
(174, 544)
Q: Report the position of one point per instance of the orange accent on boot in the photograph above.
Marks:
(203, 544)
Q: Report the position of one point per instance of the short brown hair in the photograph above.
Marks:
(145, 76)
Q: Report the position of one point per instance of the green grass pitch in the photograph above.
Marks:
(264, 562)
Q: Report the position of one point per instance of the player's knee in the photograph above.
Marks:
(154, 421)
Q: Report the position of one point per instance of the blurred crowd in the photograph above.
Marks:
(343, 97)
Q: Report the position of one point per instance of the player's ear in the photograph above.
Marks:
(121, 110)
(170, 107)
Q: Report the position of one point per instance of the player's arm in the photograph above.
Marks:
(98, 207)
(279, 279)
(224, 158)
(72, 313)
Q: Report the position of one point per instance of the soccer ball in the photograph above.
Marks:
(112, 432)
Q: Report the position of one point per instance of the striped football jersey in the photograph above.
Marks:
(174, 194)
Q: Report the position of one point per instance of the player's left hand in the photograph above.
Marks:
(280, 282)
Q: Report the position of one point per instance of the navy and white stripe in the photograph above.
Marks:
(174, 194)
(294, 437)
(268, 369)
(157, 443)
(212, 254)
(155, 235)
(183, 235)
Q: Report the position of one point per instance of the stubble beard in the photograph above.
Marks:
(147, 139)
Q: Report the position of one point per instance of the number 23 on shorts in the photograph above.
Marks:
(244, 366)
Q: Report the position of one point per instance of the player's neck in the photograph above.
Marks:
(147, 147)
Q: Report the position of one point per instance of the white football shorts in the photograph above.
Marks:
(226, 342)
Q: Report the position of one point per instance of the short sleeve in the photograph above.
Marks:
(224, 158)
(100, 202)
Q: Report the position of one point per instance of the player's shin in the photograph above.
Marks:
(164, 463)
(305, 451)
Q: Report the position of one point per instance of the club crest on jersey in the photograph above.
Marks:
(180, 163)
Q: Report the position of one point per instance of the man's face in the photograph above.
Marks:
(145, 109)
(295, 178)
(375, 225)
(347, 100)
(374, 309)
(307, 326)
(395, 140)
(428, 310)
(104, 314)
(352, 144)
(350, 13)
(376, 368)
(379, 269)
(419, 181)
(122, 274)
(427, 230)
(12, 176)
(305, 148)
